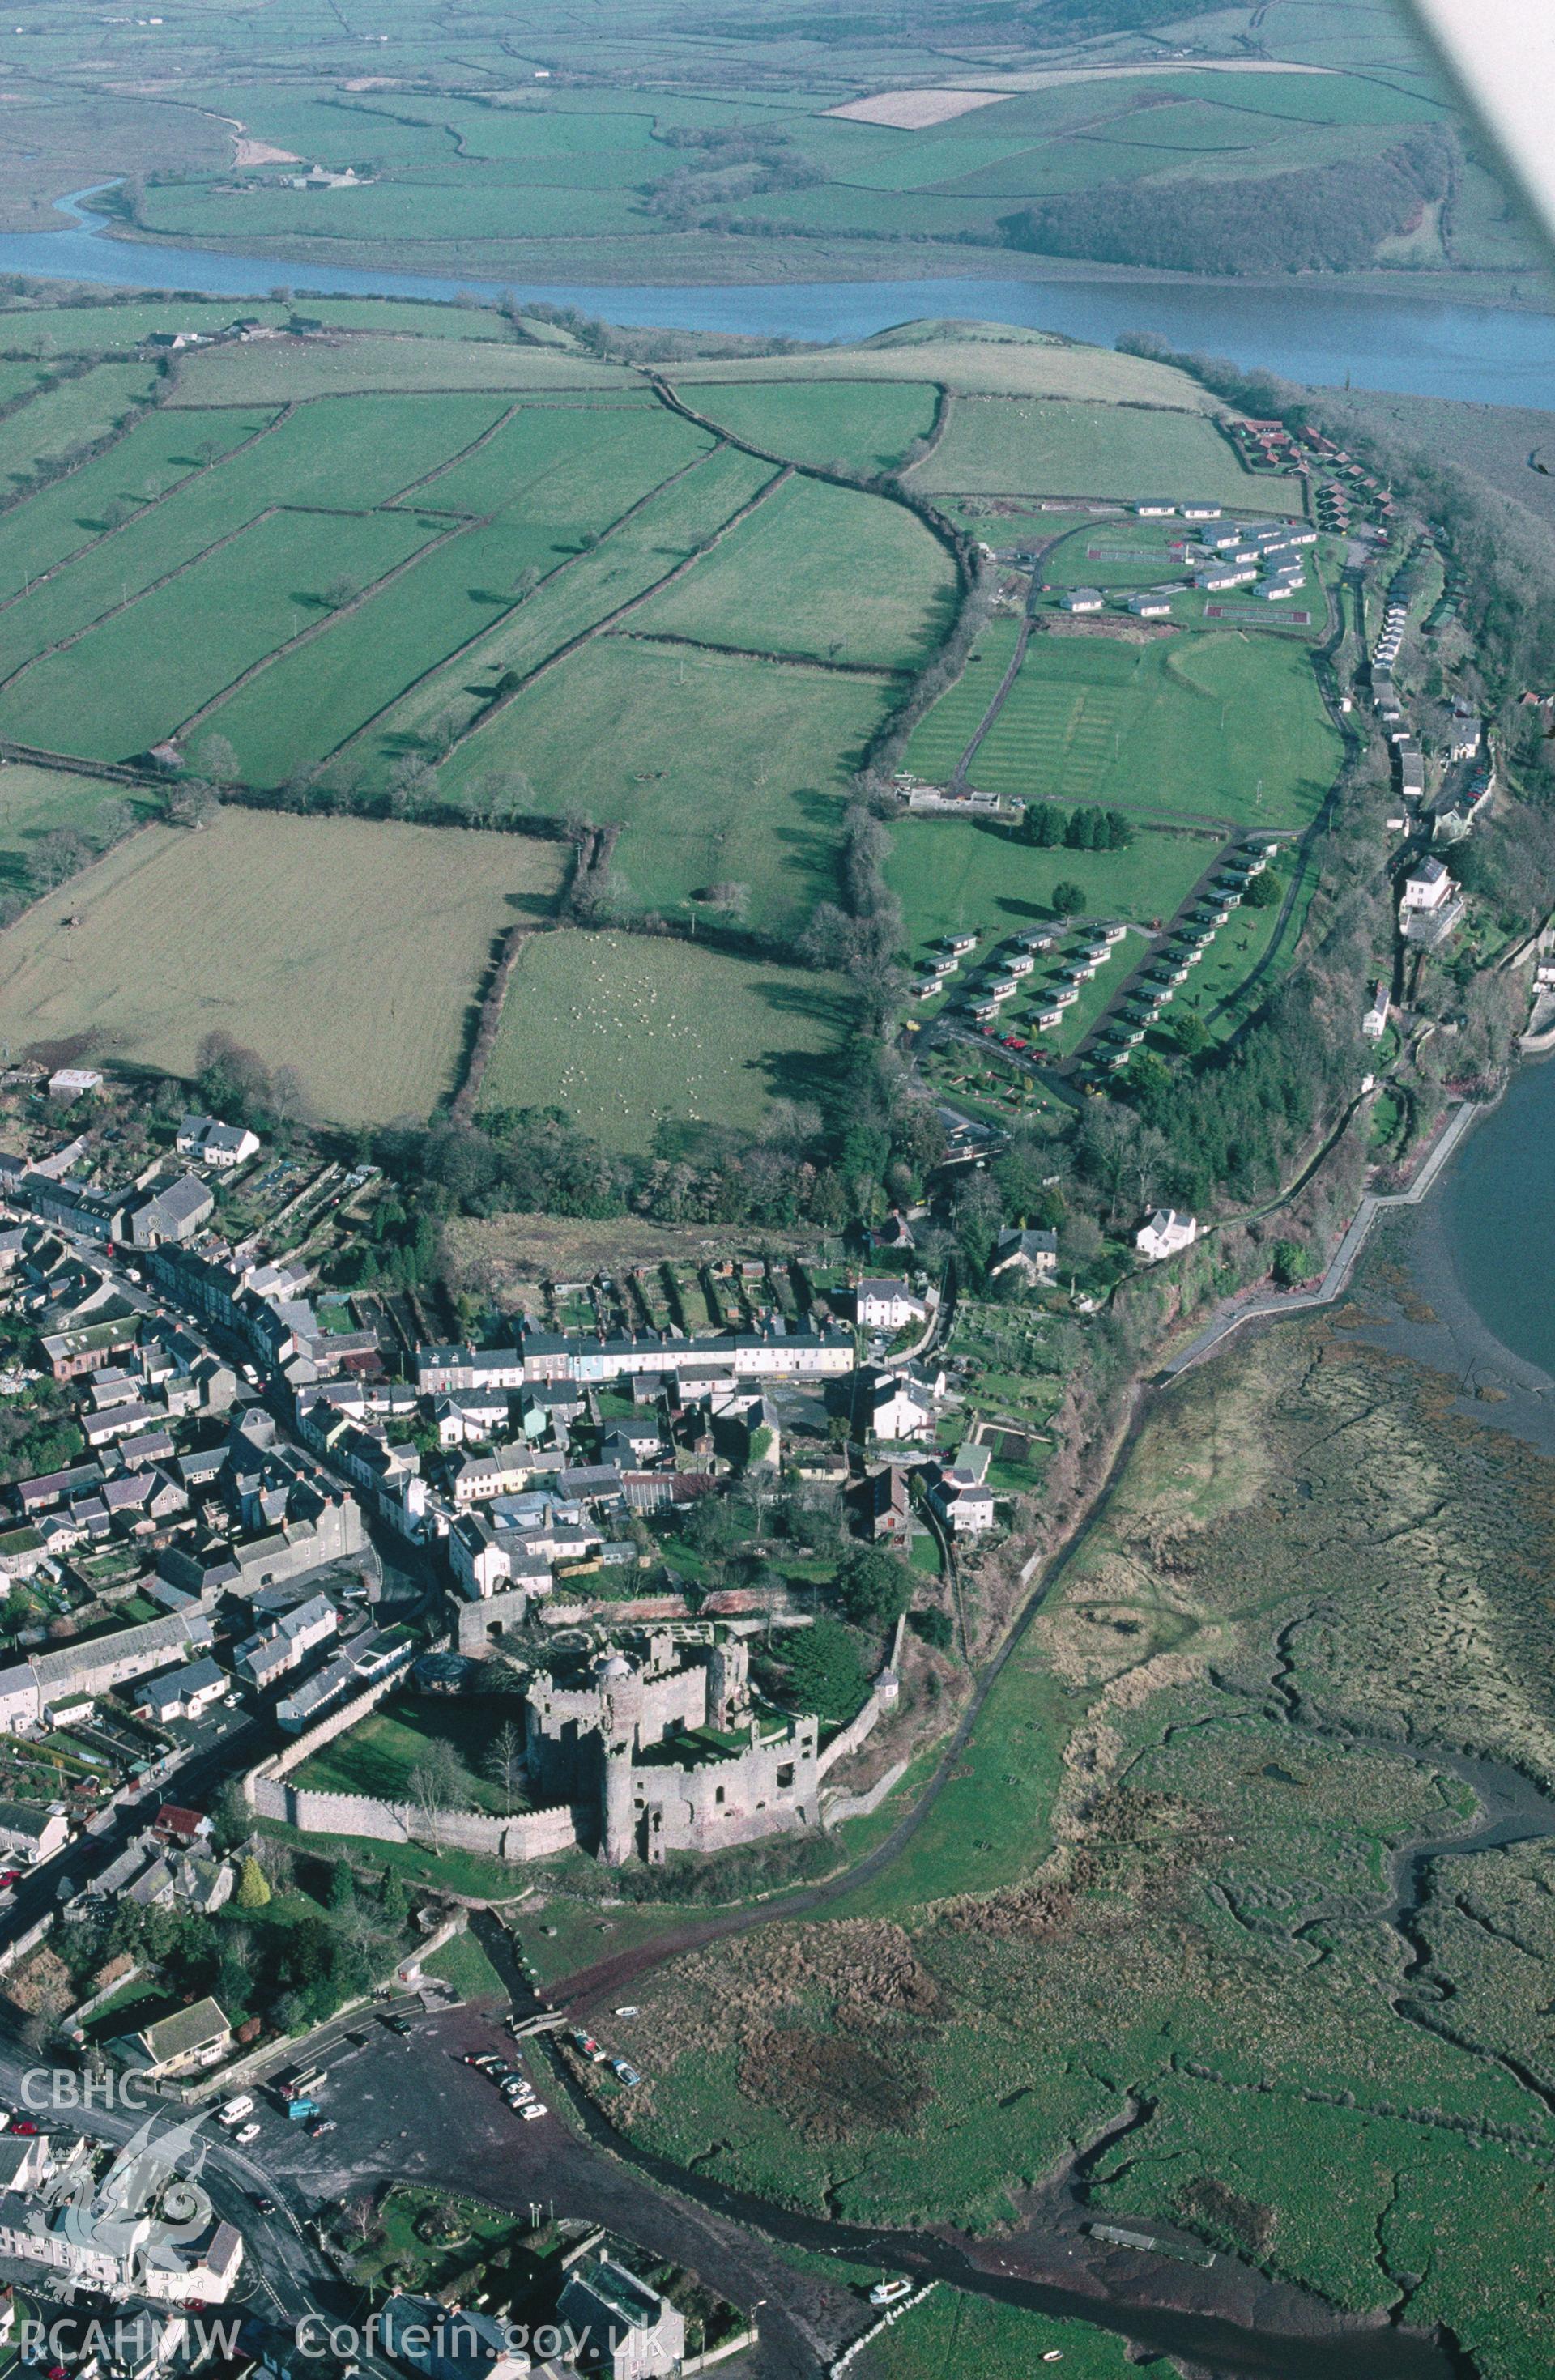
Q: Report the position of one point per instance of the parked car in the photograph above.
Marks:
(319, 2126)
(249, 2132)
(263, 2202)
(234, 2111)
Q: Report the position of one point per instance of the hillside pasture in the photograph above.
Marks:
(657, 540)
(576, 467)
(348, 950)
(1006, 447)
(271, 370)
(134, 679)
(1220, 727)
(35, 802)
(70, 414)
(629, 1035)
(866, 426)
(163, 449)
(992, 358)
(126, 322)
(724, 770)
(583, 469)
(823, 570)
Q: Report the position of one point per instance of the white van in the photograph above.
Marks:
(235, 2112)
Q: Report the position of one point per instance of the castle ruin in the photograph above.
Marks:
(663, 1735)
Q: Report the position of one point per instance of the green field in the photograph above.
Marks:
(954, 875)
(35, 802)
(629, 1034)
(270, 370)
(568, 476)
(1221, 727)
(820, 570)
(72, 414)
(135, 679)
(276, 930)
(944, 732)
(486, 175)
(1014, 446)
(125, 322)
(658, 538)
(867, 426)
(724, 770)
(380, 1754)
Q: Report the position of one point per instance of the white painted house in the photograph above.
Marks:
(1165, 1234)
(1427, 888)
(888, 1305)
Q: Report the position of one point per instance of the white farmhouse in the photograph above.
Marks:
(1165, 1234)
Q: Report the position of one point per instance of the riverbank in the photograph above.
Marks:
(1405, 340)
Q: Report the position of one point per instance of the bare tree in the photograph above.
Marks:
(191, 803)
(218, 760)
(438, 1784)
(359, 2217)
(504, 1763)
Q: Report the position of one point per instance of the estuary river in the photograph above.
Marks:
(1305, 330)
(1498, 1217)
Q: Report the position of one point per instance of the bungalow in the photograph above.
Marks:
(1150, 606)
(1034, 937)
(1081, 599)
(1165, 1234)
(1154, 508)
(887, 1306)
(958, 944)
(377, 1653)
(191, 2037)
(1201, 512)
(183, 1693)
